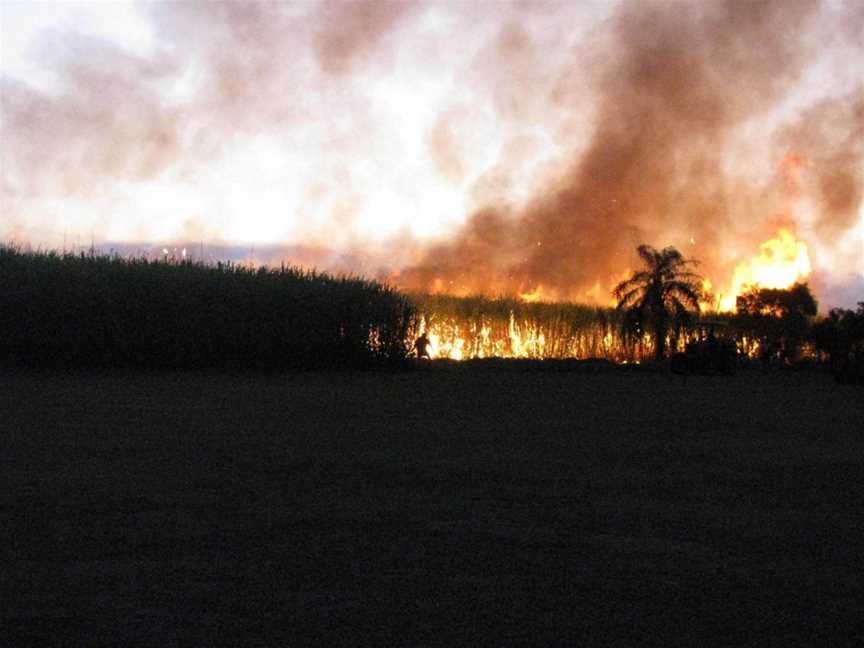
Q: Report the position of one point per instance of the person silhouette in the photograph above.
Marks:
(422, 346)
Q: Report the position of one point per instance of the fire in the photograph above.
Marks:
(706, 293)
(532, 296)
(448, 339)
(595, 293)
(781, 262)
(602, 294)
(522, 333)
(453, 348)
(526, 341)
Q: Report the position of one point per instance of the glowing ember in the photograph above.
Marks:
(781, 262)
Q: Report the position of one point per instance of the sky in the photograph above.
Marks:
(492, 147)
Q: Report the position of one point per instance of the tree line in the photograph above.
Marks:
(662, 300)
(89, 311)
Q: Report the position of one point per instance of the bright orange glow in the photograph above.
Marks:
(521, 339)
(706, 291)
(781, 262)
(526, 341)
(600, 294)
(595, 293)
(532, 296)
(453, 349)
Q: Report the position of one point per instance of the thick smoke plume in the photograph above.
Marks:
(120, 132)
(535, 144)
(675, 86)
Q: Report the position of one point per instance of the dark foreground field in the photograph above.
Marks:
(444, 506)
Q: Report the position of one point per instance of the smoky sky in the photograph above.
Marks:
(675, 84)
(536, 143)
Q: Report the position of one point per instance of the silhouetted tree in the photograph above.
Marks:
(780, 317)
(841, 337)
(830, 334)
(662, 296)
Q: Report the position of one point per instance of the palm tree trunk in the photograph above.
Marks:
(659, 340)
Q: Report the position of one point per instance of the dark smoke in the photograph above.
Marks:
(574, 131)
(830, 139)
(674, 84)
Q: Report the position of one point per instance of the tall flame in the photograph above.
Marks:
(781, 262)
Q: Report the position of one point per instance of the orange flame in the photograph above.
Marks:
(781, 262)
(532, 296)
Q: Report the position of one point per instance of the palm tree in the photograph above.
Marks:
(662, 294)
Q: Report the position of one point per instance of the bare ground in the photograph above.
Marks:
(474, 505)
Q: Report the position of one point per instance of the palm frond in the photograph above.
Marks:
(640, 278)
(626, 299)
(649, 255)
(665, 291)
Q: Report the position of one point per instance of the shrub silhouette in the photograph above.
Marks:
(841, 337)
(780, 317)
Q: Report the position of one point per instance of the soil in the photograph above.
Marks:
(479, 504)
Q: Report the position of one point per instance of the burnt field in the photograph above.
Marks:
(486, 503)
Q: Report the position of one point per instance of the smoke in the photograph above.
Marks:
(60, 144)
(225, 81)
(830, 139)
(349, 32)
(674, 85)
(535, 144)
